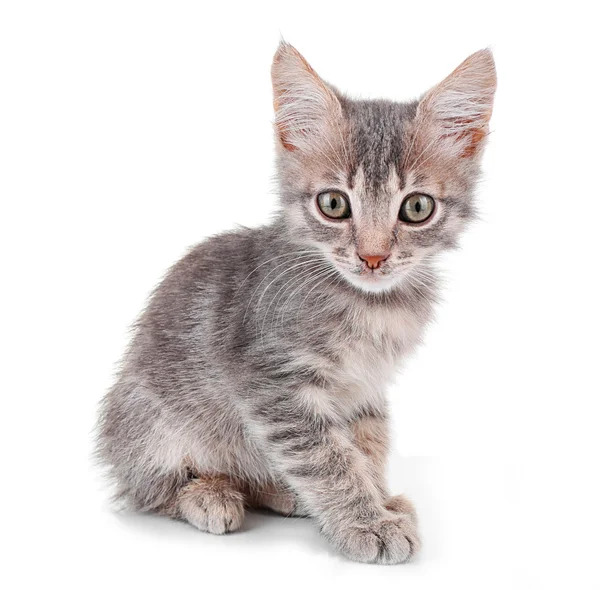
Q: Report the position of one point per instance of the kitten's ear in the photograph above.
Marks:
(305, 107)
(457, 111)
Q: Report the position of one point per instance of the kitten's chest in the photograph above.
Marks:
(369, 350)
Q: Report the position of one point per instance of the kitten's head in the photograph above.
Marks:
(379, 186)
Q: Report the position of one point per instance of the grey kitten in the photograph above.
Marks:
(257, 373)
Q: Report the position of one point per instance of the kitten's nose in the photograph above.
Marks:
(374, 260)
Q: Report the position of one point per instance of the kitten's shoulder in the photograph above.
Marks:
(217, 261)
(224, 252)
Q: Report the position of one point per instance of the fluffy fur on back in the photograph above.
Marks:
(257, 372)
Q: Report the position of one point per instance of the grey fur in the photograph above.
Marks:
(257, 371)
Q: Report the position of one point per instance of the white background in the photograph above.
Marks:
(131, 130)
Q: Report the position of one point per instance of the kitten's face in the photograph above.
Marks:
(378, 186)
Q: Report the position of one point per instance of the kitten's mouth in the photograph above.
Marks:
(374, 280)
(383, 273)
(373, 276)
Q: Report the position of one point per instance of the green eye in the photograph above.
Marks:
(334, 205)
(417, 208)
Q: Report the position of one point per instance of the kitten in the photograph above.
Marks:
(256, 375)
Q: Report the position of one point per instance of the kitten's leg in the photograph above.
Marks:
(320, 461)
(372, 438)
(212, 503)
(273, 496)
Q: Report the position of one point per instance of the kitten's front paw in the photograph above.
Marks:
(392, 539)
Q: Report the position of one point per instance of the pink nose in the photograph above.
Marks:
(374, 260)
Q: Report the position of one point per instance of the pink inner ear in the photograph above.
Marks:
(474, 137)
(281, 130)
(470, 134)
(288, 146)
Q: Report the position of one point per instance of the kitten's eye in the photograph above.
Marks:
(416, 208)
(334, 205)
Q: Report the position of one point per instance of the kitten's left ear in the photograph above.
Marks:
(306, 108)
(457, 111)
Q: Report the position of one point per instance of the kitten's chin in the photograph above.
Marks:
(373, 283)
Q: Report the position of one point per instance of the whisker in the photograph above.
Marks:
(316, 255)
(327, 275)
(305, 273)
(273, 299)
(307, 281)
(423, 152)
(271, 260)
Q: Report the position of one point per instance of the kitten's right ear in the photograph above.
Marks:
(305, 107)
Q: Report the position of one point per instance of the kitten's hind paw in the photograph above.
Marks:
(212, 504)
(277, 499)
(401, 505)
